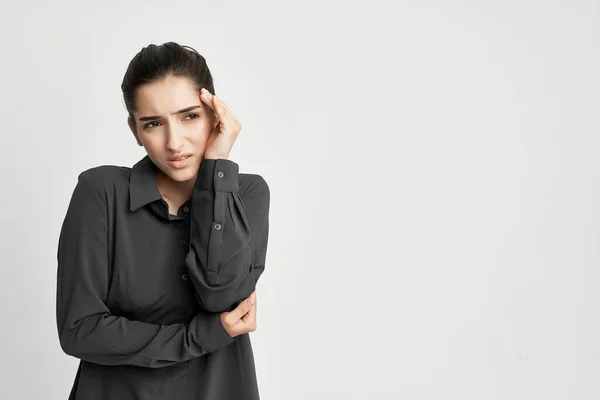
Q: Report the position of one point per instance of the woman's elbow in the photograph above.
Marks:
(69, 343)
(80, 338)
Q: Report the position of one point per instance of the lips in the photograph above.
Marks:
(179, 161)
(179, 157)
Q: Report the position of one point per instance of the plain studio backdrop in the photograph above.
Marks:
(434, 185)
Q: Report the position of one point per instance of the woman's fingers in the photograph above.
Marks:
(215, 103)
(207, 98)
(242, 309)
(250, 316)
(211, 100)
(242, 319)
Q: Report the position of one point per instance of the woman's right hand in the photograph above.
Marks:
(242, 319)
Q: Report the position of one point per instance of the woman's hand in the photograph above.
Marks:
(242, 319)
(225, 132)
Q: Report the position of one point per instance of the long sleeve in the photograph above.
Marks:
(228, 234)
(87, 329)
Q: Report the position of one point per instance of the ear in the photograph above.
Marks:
(132, 128)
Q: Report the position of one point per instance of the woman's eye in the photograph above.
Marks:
(148, 124)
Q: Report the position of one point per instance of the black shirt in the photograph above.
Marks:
(140, 291)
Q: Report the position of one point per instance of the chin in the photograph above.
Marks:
(183, 175)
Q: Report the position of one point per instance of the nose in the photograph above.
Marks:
(174, 139)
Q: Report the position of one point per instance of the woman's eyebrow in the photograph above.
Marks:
(176, 112)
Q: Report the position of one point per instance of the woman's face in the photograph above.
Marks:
(172, 121)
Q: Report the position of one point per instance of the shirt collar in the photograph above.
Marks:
(142, 184)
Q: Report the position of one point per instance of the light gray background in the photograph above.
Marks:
(434, 177)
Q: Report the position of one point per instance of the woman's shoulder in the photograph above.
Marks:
(105, 176)
(105, 183)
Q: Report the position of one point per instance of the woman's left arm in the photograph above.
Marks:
(228, 234)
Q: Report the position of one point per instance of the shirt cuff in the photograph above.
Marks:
(219, 174)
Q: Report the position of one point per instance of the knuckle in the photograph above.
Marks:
(226, 325)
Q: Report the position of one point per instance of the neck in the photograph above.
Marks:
(174, 191)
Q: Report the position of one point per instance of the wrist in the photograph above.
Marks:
(214, 156)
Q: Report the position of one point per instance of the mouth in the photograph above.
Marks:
(179, 161)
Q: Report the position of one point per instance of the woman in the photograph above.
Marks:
(157, 264)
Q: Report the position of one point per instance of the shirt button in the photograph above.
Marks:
(218, 227)
(220, 174)
(182, 242)
(183, 312)
(184, 277)
(186, 209)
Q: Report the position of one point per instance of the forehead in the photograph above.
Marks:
(166, 95)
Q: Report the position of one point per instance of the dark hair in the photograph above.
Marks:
(157, 62)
